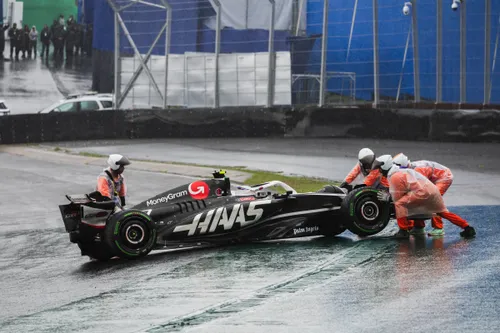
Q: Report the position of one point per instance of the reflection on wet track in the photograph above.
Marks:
(29, 85)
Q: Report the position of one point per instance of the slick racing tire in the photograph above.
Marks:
(97, 251)
(130, 234)
(365, 215)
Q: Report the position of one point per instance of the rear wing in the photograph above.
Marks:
(79, 199)
(83, 199)
(71, 215)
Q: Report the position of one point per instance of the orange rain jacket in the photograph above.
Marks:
(414, 194)
(113, 188)
(358, 175)
(434, 171)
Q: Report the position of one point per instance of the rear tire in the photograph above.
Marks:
(365, 214)
(130, 234)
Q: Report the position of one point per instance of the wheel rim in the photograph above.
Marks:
(134, 234)
(370, 211)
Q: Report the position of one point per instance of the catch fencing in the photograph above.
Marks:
(264, 53)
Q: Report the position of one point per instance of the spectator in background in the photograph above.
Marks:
(33, 37)
(71, 35)
(2, 40)
(19, 42)
(45, 40)
(13, 32)
(26, 41)
(79, 39)
(89, 34)
(58, 39)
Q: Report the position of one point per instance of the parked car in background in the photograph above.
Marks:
(4, 110)
(90, 101)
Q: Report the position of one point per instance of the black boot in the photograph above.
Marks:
(468, 232)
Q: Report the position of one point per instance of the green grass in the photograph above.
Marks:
(87, 154)
(299, 183)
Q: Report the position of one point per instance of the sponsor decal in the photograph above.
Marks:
(207, 222)
(246, 199)
(306, 230)
(198, 190)
(167, 198)
(218, 192)
(71, 215)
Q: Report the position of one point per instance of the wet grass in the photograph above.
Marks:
(299, 183)
(87, 154)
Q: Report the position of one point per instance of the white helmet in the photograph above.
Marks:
(384, 163)
(366, 158)
(365, 152)
(401, 160)
(115, 161)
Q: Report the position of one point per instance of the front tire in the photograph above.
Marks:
(365, 214)
(130, 234)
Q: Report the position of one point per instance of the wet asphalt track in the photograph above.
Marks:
(475, 166)
(315, 285)
(29, 85)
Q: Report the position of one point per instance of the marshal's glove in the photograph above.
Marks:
(383, 196)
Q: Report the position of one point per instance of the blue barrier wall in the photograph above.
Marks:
(189, 35)
(393, 32)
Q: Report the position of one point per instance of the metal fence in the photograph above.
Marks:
(215, 53)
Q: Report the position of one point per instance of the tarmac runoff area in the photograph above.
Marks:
(344, 284)
(476, 167)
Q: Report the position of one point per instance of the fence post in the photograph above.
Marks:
(487, 50)
(167, 50)
(439, 51)
(463, 52)
(217, 5)
(416, 56)
(324, 48)
(376, 79)
(117, 59)
(495, 51)
(271, 64)
(217, 54)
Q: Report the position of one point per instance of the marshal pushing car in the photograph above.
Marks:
(215, 212)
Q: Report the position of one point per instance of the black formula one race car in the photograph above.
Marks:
(214, 212)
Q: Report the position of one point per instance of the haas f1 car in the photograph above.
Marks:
(214, 212)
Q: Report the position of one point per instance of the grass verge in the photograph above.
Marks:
(299, 183)
(86, 154)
